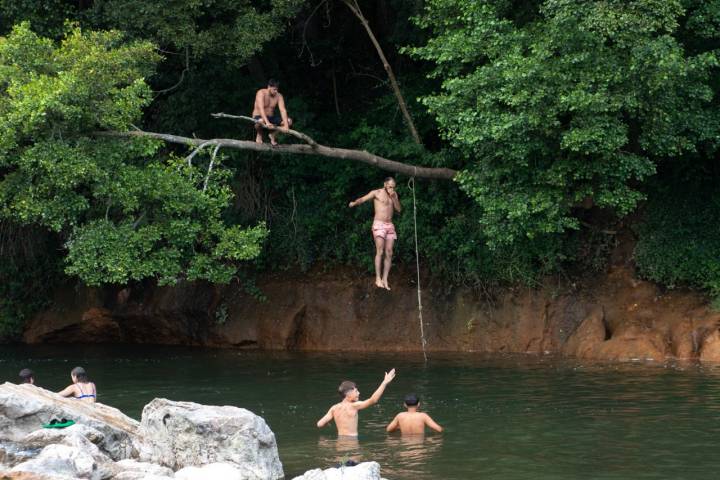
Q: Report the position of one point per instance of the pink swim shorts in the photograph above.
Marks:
(384, 230)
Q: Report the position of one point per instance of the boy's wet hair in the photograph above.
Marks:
(80, 374)
(387, 179)
(411, 400)
(345, 387)
(273, 83)
(26, 375)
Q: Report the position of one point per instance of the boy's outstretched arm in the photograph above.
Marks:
(362, 199)
(431, 423)
(392, 426)
(375, 397)
(326, 419)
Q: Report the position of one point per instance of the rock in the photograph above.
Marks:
(183, 434)
(226, 471)
(362, 471)
(61, 461)
(26, 476)
(684, 339)
(12, 453)
(591, 333)
(134, 470)
(25, 408)
(139, 476)
(633, 343)
(74, 435)
(710, 349)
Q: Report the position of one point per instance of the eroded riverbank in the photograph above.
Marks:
(612, 317)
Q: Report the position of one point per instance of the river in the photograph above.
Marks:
(505, 417)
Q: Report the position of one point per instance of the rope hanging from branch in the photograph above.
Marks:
(423, 342)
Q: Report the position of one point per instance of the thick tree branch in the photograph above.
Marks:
(316, 149)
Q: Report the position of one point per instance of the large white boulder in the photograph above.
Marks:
(62, 461)
(25, 408)
(361, 471)
(134, 470)
(79, 436)
(186, 434)
(226, 471)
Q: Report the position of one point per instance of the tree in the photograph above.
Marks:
(563, 103)
(230, 29)
(126, 210)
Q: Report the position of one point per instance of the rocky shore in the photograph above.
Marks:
(173, 440)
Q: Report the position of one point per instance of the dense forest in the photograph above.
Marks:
(567, 121)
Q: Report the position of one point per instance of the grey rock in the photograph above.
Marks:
(62, 461)
(140, 476)
(186, 434)
(134, 470)
(226, 471)
(24, 408)
(12, 453)
(79, 436)
(362, 471)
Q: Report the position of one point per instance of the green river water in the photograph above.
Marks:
(511, 417)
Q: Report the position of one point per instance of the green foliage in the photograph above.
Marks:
(126, 211)
(679, 244)
(543, 105)
(47, 16)
(28, 265)
(231, 29)
(576, 100)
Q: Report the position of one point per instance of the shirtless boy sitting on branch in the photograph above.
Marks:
(385, 202)
(345, 413)
(266, 99)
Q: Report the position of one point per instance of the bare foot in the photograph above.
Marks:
(379, 283)
(385, 285)
(258, 139)
(274, 144)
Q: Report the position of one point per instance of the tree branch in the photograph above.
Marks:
(316, 149)
(355, 9)
(294, 133)
(210, 167)
(182, 75)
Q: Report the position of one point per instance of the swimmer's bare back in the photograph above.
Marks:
(345, 416)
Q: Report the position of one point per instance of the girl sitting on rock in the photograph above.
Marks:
(82, 388)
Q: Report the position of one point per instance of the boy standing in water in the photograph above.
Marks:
(345, 413)
(412, 422)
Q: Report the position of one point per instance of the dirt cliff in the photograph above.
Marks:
(613, 317)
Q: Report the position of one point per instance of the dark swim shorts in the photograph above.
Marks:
(274, 119)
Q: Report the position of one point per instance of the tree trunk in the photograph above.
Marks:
(355, 8)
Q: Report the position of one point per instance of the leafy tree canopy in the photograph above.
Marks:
(234, 29)
(563, 102)
(125, 210)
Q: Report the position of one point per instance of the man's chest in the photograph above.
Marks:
(383, 199)
(270, 102)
